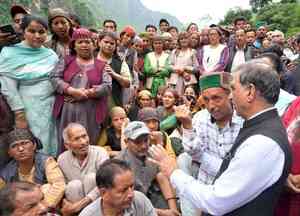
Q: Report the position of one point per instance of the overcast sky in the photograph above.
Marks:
(191, 10)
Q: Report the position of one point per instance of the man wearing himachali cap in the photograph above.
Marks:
(210, 134)
(254, 172)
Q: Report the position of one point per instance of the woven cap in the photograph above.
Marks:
(81, 33)
(19, 134)
(57, 12)
(215, 80)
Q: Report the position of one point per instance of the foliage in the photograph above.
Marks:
(5, 8)
(285, 17)
(257, 4)
(234, 13)
(93, 12)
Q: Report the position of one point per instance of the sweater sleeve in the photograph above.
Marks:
(56, 183)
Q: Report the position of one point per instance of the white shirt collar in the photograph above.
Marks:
(261, 112)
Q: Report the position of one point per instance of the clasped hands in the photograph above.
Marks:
(78, 94)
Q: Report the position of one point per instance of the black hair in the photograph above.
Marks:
(250, 30)
(173, 27)
(93, 30)
(75, 18)
(30, 18)
(189, 26)
(108, 170)
(150, 26)
(163, 20)
(275, 48)
(110, 21)
(236, 20)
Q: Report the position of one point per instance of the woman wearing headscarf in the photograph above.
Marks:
(31, 165)
(61, 28)
(25, 83)
(82, 86)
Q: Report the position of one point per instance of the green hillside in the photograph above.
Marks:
(93, 12)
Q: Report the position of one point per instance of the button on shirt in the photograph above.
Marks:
(208, 144)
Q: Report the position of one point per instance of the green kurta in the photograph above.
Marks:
(156, 69)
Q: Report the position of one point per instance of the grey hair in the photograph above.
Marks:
(263, 77)
(65, 132)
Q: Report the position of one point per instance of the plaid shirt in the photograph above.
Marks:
(208, 144)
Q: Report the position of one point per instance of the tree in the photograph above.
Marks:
(234, 13)
(257, 4)
(282, 16)
(5, 9)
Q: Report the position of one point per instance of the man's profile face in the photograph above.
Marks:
(239, 96)
(28, 203)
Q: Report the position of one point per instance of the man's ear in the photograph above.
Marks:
(252, 93)
(102, 191)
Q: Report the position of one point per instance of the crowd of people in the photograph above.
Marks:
(161, 122)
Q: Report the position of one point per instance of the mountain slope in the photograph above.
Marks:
(93, 12)
(132, 12)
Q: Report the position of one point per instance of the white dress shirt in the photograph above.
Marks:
(257, 164)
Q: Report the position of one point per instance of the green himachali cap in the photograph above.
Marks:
(215, 80)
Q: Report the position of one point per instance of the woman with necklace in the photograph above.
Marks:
(82, 86)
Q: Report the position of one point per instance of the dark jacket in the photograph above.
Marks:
(248, 51)
(267, 124)
(10, 171)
